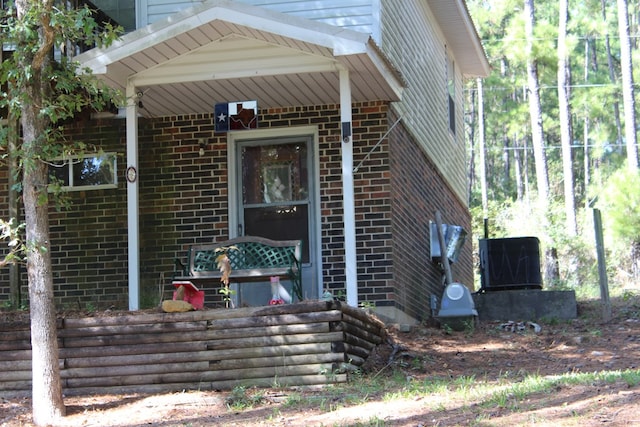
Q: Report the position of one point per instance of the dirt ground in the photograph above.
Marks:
(491, 353)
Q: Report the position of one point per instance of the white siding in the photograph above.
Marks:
(414, 44)
(356, 15)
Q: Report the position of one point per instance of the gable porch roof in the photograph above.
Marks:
(222, 50)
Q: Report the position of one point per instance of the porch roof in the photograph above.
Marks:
(223, 51)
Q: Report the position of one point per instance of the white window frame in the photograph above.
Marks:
(71, 160)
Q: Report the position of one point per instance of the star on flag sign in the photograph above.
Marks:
(236, 116)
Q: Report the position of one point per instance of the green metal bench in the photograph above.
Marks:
(251, 258)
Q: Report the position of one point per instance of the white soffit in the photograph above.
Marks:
(223, 51)
(459, 30)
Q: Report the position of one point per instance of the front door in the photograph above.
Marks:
(275, 199)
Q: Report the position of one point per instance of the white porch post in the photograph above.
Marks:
(347, 191)
(132, 198)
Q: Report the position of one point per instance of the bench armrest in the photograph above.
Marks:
(180, 268)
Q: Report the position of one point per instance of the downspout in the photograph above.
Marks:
(132, 198)
(348, 202)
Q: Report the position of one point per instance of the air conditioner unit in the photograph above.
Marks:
(510, 263)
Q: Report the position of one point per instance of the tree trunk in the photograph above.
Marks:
(519, 170)
(482, 146)
(471, 138)
(566, 129)
(587, 160)
(635, 260)
(612, 74)
(537, 139)
(47, 390)
(628, 95)
(506, 162)
(535, 108)
(47, 406)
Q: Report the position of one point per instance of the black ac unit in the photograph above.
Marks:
(510, 263)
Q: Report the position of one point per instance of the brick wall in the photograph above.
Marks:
(183, 200)
(418, 191)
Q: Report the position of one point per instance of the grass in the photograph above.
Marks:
(470, 394)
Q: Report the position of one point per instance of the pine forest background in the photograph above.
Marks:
(558, 135)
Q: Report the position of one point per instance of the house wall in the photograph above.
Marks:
(356, 15)
(183, 200)
(419, 51)
(418, 191)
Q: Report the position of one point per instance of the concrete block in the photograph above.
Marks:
(525, 304)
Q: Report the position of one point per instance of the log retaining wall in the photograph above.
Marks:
(308, 343)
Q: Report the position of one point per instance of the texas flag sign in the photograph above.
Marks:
(238, 115)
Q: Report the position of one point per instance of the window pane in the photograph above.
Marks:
(121, 11)
(93, 171)
(275, 173)
(60, 172)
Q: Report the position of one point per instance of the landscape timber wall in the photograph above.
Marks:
(308, 343)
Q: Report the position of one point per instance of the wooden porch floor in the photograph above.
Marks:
(307, 343)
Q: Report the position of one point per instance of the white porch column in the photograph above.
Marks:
(132, 198)
(347, 191)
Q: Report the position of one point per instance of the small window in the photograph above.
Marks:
(89, 172)
(451, 91)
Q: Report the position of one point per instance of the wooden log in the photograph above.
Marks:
(15, 385)
(15, 345)
(15, 355)
(354, 359)
(275, 372)
(284, 319)
(358, 351)
(109, 371)
(274, 340)
(200, 315)
(362, 334)
(362, 315)
(121, 350)
(205, 376)
(133, 339)
(16, 335)
(303, 328)
(297, 308)
(20, 365)
(299, 359)
(303, 380)
(365, 326)
(132, 329)
(11, 325)
(211, 355)
(15, 375)
(354, 340)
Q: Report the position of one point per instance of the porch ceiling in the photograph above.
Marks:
(225, 51)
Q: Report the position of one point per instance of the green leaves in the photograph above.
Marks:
(620, 202)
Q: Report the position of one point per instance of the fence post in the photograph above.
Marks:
(602, 267)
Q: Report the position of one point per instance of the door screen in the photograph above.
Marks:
(275, 192)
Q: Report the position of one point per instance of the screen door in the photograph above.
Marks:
(275, 186)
